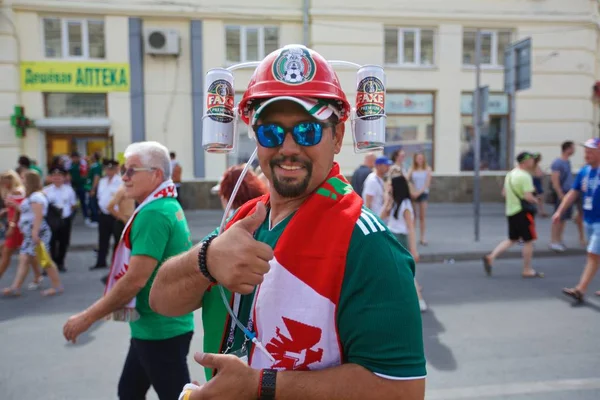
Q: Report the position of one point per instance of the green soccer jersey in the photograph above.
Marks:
(159, 231)
(77, 181)
(378, 317)
(95, 170)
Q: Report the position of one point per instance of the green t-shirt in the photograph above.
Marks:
(77, 181)
(378, 317)
(95, 170)
(516, 184)
(160, 231)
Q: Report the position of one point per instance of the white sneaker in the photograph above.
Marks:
(557, 247)
(422, 305)
(90, 224)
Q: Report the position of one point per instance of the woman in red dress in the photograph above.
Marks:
(13, 193)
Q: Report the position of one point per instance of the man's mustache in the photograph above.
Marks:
(292, 159)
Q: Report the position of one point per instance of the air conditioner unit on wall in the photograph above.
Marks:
(161, 41)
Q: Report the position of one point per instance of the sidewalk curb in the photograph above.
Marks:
(478, 255)
(426, 258)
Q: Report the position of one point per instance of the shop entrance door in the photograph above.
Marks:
(59, 144)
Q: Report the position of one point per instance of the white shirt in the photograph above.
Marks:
(62, 197)
(374, 186)
(106, 191)
(398, 225)
(175, 163)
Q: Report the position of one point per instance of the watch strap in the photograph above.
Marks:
(266, 387)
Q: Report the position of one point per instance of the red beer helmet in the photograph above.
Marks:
(297, 71)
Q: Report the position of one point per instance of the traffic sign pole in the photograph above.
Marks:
(513, 110)
(517, 76)
(477, 131)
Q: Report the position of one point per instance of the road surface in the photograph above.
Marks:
(486, 338)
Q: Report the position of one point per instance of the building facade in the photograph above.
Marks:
(85, 73)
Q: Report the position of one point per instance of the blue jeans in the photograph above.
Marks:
(567, 214)
(160, 363)
(592, 231)
(93, 204)
(82, 196)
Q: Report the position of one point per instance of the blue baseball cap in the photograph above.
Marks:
(592, 143)
(383, 160)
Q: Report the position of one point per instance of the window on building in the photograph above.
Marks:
(96, 39)
(74, 38)
(78, 105)
(410, 125)
(494, 135)
(409, 46)
(52, 37)
(250, 43)
(493, 44)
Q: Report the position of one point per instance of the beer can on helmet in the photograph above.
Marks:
(369, 119)
(218, 122)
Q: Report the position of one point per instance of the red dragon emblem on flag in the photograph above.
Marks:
(295, 352)
(121, 273)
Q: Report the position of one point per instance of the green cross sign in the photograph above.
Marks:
(20, 122)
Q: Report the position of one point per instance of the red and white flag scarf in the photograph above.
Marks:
(120, 263)
(295, 310)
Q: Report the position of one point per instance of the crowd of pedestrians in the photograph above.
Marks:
(573, 197)
(37, 220)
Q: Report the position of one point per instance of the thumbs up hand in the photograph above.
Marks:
(235, 259)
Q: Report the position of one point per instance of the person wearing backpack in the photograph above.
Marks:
(64, 199)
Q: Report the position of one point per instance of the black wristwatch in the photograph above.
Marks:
(266, 388)
(202, 259)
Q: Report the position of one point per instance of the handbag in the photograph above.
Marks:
(54, 216)
(525, 205)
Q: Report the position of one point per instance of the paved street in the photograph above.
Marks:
(486, 338)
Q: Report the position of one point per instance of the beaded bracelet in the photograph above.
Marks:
(202, 258)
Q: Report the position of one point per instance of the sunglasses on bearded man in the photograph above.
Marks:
(305, 133)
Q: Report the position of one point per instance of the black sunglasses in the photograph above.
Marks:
(305, 133)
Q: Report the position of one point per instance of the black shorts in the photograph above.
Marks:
(522, 226)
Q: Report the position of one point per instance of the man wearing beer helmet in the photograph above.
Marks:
(321, 287)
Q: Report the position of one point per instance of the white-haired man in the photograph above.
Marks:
(156, 231)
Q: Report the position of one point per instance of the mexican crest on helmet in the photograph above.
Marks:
(294, 66)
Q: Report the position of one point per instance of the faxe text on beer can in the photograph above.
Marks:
(369, 122)
(218, 130)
